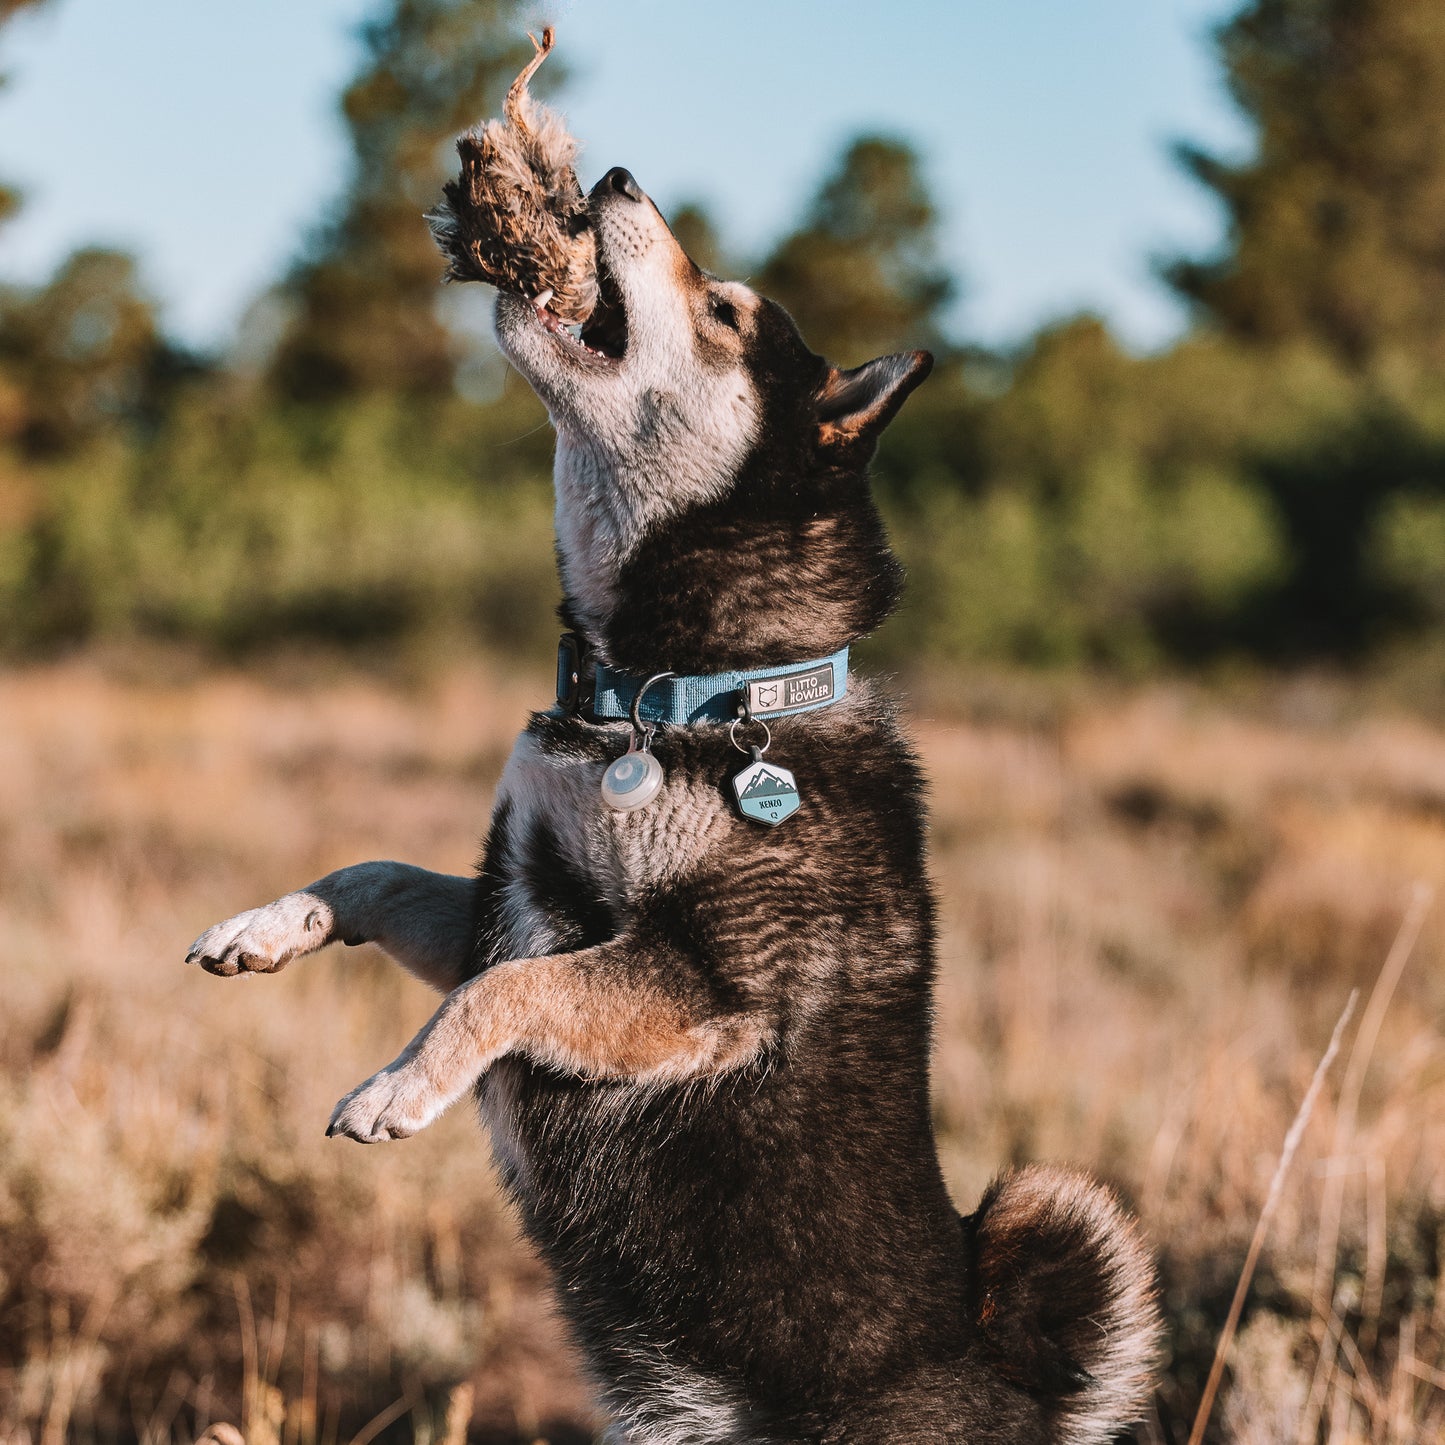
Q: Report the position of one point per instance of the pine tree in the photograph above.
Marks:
(9, 197)
(364, 301)
(861, 276)
(1337, 222)
(83, 353)
(697, 235)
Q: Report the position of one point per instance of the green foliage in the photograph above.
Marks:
(1100, 575)
(364, 301)
(697, 235)
(1273, 485)
(1336, 221)
(82, 353)
(239, 530)
(1335, 249)
(1409, 551)
(9, 197)
(861, 276)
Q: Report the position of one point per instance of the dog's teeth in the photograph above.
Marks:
(542, 298)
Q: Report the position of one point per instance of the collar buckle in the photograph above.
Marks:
(571, 686)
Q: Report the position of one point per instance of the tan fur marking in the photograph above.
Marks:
(589, 1013)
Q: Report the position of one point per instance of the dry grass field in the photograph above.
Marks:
(1154, 906)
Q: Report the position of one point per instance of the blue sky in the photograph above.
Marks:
(204, 136)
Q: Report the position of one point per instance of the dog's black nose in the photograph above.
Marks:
(619, 179)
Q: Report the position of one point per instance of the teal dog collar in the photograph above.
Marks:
(764, 692)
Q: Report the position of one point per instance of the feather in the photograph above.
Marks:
(516, 216)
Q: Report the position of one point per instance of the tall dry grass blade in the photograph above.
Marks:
(1266, 1215)
(310, 1370)
(1342, 1410)
(249, 1380)
(388, 1416)
(1402, 1387)
(158, 1427)
(276, 1331)
(1428, 1373)
(1361, 1052)
(1323, 1379)
(1366, 1390)
(1346, 1119)
(57, 1427)
(459, 1415)
(1377, 1248)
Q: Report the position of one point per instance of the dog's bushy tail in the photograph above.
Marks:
(1064, 1294)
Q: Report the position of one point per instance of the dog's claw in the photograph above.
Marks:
(394, 1104)
(263, 940)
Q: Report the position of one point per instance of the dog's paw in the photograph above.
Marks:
(264, 940)
(394, 1104)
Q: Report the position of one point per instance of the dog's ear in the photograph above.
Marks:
(854, 406)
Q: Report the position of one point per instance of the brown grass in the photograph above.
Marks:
(1153, 909)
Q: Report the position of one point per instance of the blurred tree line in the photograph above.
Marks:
(1271, 486)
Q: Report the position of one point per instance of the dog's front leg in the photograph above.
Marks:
(600, 1013)
(422, 919)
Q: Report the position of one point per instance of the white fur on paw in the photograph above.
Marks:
(264, 940)
(394, 1104)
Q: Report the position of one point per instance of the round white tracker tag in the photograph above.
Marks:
(632, 781)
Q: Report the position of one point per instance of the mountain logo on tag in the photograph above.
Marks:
(766, 794)
(797, 690)
(767, 785)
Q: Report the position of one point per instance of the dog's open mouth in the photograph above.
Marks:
(603, 336)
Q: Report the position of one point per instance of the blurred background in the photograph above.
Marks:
(276, 592)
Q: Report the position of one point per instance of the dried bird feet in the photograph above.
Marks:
(516, 216)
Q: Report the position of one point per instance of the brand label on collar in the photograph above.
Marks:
(796, 690)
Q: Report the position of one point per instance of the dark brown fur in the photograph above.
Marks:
(702, 1045)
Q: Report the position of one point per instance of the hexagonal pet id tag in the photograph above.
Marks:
(765, 792)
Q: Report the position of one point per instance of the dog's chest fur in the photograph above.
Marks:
(566, 869)
(561, 836)
(642, 1197)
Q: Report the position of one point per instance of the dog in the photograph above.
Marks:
(698, 1032)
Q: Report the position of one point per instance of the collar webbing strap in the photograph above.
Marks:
(767, 691)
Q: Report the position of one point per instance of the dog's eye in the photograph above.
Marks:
(725, 312)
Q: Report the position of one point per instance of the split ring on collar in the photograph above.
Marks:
(638, 725)
(745, 717)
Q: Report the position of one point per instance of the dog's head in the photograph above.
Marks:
(712, 501)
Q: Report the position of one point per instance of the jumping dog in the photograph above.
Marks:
(690, 984)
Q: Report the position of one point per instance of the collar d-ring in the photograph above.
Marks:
(636, 710)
